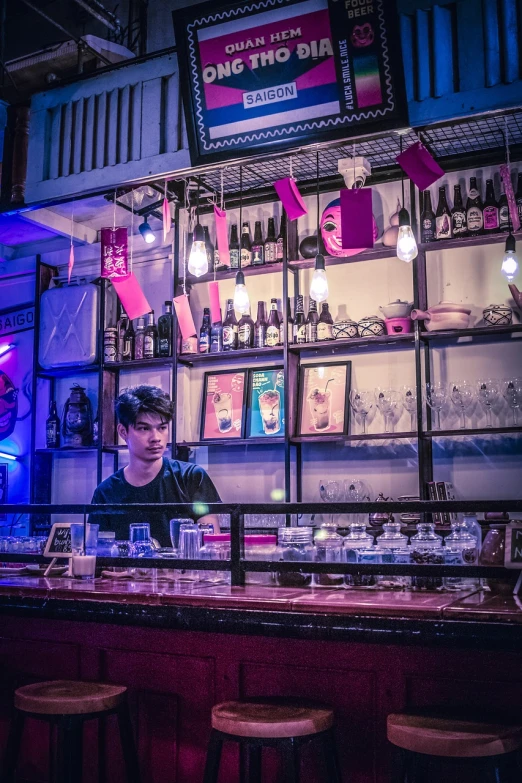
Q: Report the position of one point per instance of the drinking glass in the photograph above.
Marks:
(331, 491)
(409, 400)
(487, 392)
(189, 546)
(140, 539)
(387, 401)
(356, 491)
(84, 540)
(462, 395)
(436, 397)
(362, 403)
(174, 526)
(512, 393)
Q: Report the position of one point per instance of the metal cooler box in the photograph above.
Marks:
(68, 326)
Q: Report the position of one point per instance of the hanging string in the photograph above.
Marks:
(240, 210)
(506, 140)
(353, 159)
(222, 204)
(132, 230)
(317, 194)
(114, 212)
(402, 172)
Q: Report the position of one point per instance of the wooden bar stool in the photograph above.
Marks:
(68, 704)
(430, 742)
(281, 723)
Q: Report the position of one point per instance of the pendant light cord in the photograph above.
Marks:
(402, 173)
(240, 212)
(317, 195)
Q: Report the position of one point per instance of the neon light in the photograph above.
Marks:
(4, 455)
(6, 348)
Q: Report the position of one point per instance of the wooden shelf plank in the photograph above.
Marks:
(223, 357)
(139, 364)
(477, 331)
(350, 438)
(354, 344)
(268, 441)
(64, 372)
(478, 241)
(479, 431)
(228, 274)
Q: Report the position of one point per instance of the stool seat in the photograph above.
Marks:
(435, 735)
(64, 697)
(271, 718)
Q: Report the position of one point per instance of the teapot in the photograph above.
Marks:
(444, 315)
(396, 309)
(377, 518)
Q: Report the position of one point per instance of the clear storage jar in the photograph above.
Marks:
(216, 546)
(294, 545)
(260, 547)
(329, 549)
(106, 541)
(394, 547)
(426, 549)
(357, 539)
(461, 548)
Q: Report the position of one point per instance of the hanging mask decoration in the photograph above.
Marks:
(362, 35)
(8, 406)
(331, 230)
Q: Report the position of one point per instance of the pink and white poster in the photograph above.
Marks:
(223, 405)
(323, 399)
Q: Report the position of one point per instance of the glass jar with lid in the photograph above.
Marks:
(295, 545)
(394, 548)
(426, 549)
(260, 547)
(329, 549)
(216, 546)
(105, 545)
(356, 540)
(461, 548)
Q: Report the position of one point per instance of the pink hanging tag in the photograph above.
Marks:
(419, 165)
(220, 217)
(131, 296)
(114, 256)
(184, 316)
(215, 310)
(356, 219)
(166, 218)
(292, 200)
(505, 174)
(70, 265)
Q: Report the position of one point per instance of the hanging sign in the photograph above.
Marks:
(274, 72)
(114, 257)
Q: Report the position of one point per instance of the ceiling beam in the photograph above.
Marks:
(60, 225)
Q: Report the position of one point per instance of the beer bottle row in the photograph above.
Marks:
(124, 343)
(475, 218)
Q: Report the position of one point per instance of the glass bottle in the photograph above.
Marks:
(355, 541)
(281, 237)
(270, 243)
(209, 247)
(77, 418)
(474, 216)
(52, 428)
(123, 323)
(204, 332)
(246, 331)
(139, 339)
(311, 322)
(458, 215)
(289, 325)
(272, 329)
(299, 336)
(428, 223)
(325, 324)
(490, 209)
(246, 247)
(518, 196)
(230, 328)
(328, 549)
(294, 545)
(165, 331)
(150, 340)
(443, 217)
(394, 547)
(460, 549)
(216, 336)
(216, 546)
(503, 212)
(426, 549)
(128, 343)
(260, 326)
(258, 248)
(233, 247)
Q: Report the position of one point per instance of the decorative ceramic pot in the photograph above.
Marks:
(344, 329)
(397, 309)
(497, 315)
(399, 325)
(445, 315)
(371, 326)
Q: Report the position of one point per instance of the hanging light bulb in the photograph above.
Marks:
(509, 266)
(406, 245)
(241, 300)
(319, 283)
(146, 232)
(198, 261)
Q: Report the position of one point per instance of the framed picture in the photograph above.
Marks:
(324, 393)
(266, 403)
(3, 489)
(223, 410)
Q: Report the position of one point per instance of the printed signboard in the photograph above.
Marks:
(223, 409)
(266, 407)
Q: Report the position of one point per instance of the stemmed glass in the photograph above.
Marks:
(487, 393)
(409, 400)
(436, 398)
(387, 401)
(512, 393)
(331, 492)
(462, 396)
(356, 491)
(362, 403)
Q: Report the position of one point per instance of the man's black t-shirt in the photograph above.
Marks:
(176, 482)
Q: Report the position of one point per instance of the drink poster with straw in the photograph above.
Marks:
(324, 392)
(266, 409)
(223, 405)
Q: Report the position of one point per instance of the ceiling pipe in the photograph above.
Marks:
(99, 12)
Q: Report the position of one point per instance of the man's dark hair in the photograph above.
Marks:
(143, 399)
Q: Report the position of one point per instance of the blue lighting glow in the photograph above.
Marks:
(4, 455)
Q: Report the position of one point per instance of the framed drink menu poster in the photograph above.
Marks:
(266, 403)
(324, 392)
(223, 410)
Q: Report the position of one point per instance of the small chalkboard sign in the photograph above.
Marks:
(59, 541)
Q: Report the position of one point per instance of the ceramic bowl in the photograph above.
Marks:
(371, 326)
(497, 315)
(344, 329)
(397, 309)
(399, 325)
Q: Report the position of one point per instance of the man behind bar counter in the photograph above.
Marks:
(144, 414)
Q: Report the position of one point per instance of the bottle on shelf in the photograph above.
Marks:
(128, 343)
(474, 216)
(311, 322)
(299, 332)
(123, 323)
(230, 340)
(443, 216)
(246, 331)
(165, 324)
(258, 247)
(204, 332)
(233, 247)
(428, 222)
(459, 226)
(490, 209)
(209, 247)
(260, 326)
(272, 329)
(325, 324)
(246, 247)
(139, 339)
(271, 243)
(518, 196)
(216, 263)
(504, 220)
(150, 339)
(289, 324)
(216, 336)
(281, 237)
(52, 428)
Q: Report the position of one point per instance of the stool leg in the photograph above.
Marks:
(290, 752)
(215, 745)
(12, 750)
(332, 760)
(70, 762)
(128, 746)
(243, 760)
(254, 764)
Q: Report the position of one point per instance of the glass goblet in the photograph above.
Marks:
(362, 403)
(436, 397)
(512, 393)
(387, 401)
(488, 392)
(356, 491)
(409, 400)
(462, 395)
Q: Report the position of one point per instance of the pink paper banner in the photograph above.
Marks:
(505, 174)
(131, 296)
(71, 264)
(420, 166)
(292, 200)
(184, 316)
(220, 217)
(114, 258)
(356, 218)
(215, 310)
(166, 218)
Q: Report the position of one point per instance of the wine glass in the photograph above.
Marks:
(462, 395)
(356, 491)
(409, 400)
(512, 393)
(387, 401)
(436, 398)
(487, 393)
(362, 403)
(331, 491)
